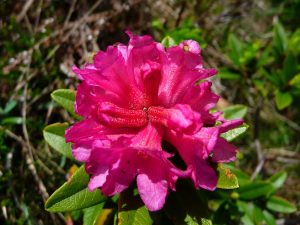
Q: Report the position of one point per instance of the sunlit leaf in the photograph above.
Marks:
(234, 133)
(91, 214)
(278, 204)
(132, 210)
(269, 218)
(278, 179)
(168, 42)
(295, 82)
(74, 195)
(254, 190)
(227, 180)
(65, 98)
(54, 135)
(243, 178)
(235, 112)
(283, 99)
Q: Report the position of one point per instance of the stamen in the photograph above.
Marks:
(113, 115)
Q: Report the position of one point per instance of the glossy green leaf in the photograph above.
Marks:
(132, 210)
(234, 133)
(280, 38)
(278, 204)
(277, 180)
(235, 112)
(269, 218)
(168, 42)
(91, 214)
(254, 190)
(65, 98)
(283, 99)
(227, 180)
(54, 135)
(74, 195)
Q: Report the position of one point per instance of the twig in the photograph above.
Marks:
(260, 159)
(29, 162)
(70, 12)
(178, 20)
(289, 122)
(24, 10)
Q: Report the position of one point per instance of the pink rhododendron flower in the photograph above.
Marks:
(132, 99)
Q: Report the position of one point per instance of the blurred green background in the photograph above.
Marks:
(255, 45)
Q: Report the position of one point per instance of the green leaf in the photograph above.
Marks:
(254, 190)
(228, 75)
(278, 204)
(234, 133)
(168, 42)
(280, 38)
(243, 178)
(235, 49)
(247, 208)
(277, 180)
(283, 99)
(9, 106)
(247, 220)
(289, 67)
(74, 195)
(91, 214)
(227, 180)
(12, 120)
(54, 135)
(253, 214)
(131, 210)
(235, 112)
(295, 82)
(187, 206)
(269, 218)
(294, 42)
(65, 98)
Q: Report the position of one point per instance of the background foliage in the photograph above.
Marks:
(254, 44)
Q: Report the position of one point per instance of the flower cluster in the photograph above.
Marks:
(142, 105)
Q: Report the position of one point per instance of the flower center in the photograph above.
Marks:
(113, 115)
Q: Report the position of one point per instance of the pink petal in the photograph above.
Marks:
(202, 99)
(89, 73)
(83, 129)
(204, 175)
(181, 69)
(81, 152)
(153, 193)
(98, 178)
(224, 151)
